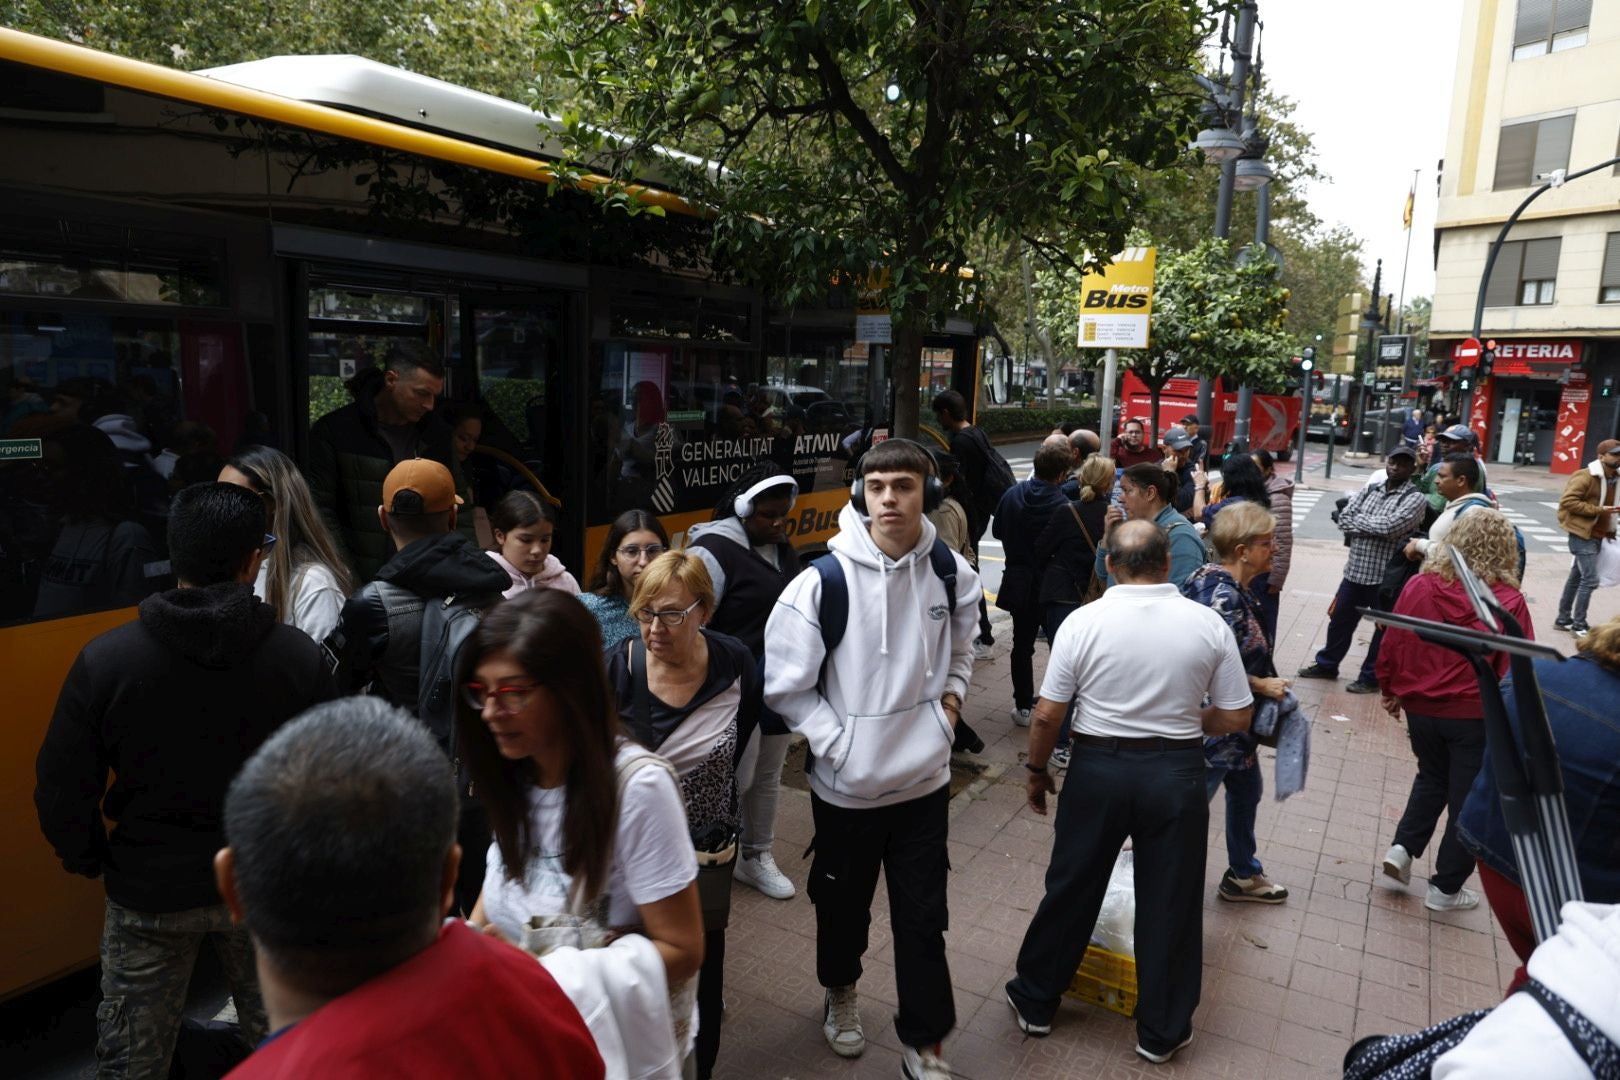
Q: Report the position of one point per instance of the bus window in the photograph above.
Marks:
(105, 417)
(350, 329)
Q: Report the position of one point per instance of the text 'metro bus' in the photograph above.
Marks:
(209, 257)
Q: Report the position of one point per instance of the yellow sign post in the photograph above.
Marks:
(1116, 303)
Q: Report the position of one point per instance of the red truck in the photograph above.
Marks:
(1273, 425)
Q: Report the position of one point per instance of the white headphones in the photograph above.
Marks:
(744, 506)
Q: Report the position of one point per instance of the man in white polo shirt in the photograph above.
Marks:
(1150, 673)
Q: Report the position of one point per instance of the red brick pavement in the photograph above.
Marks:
(1286, 989)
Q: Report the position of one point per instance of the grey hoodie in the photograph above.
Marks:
(876, 728)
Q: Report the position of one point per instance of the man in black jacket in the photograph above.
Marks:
(351, 449)
(172, 704)
(1023, 514)
(378, 640)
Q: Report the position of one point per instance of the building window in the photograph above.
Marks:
(1609, 284)
(1526, 273)
(1545, 26)
(1531, 149)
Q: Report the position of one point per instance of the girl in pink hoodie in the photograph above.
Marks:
(524, 525)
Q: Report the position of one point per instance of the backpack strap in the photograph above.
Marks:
(834, 613)
(944, 564)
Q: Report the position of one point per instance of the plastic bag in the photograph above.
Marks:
(1116, 921)
(1608, 568)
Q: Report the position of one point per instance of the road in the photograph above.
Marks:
(1532, 509)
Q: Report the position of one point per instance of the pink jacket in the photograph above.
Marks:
(551, 576)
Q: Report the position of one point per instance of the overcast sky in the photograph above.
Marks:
(1372, 82)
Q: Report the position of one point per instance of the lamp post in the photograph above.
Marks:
(1556, 178)
(1370, 320)
(1233, 140)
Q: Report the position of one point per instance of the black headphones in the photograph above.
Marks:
(933, 486)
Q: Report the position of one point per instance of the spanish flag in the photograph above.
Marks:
(1406, 215)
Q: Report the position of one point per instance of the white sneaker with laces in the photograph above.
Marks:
(1461, 900)
(760, 872)
(1398, 864)
(1020, 717)
(1060, 757)
(841, 1022)
(923, 1063)
(981, 651)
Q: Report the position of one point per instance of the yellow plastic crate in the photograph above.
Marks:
(1107, 979)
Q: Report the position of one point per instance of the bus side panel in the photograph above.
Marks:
(53, 918)
(812, 523)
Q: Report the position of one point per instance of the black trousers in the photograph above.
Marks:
(710, 1002)
(1157, 799)
(907, 840)
(474, 836)
(1449, 753)
(1026, 624)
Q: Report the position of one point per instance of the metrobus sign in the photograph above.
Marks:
(1116, 303)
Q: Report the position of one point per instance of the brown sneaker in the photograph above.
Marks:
(1254, 890)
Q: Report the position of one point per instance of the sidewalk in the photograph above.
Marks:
(1286, 989)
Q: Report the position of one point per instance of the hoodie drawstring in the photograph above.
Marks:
(922, 624)
(883, 567)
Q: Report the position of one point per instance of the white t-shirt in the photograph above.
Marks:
(652, 855)
(1138, 662)
(317, 601)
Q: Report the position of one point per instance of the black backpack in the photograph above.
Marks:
(834, 613)
(447, 623)
(992, 484)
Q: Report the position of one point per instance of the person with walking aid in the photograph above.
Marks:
(1440, 695)
(878, 710)
(692, 695)
(1587, 511)
(1139, 663)
(1242, 534)
(750, 561)
(1377, 522)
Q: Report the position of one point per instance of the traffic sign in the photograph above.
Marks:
(1466, 351)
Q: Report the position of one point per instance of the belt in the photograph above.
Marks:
(1156, 742)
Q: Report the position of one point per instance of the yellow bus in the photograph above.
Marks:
(227, 248)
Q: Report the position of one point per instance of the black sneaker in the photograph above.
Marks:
(1317, 671)
(1360, 687)
(1563, 623)
(1579, 629)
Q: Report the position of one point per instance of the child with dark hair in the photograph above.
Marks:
(524, 525)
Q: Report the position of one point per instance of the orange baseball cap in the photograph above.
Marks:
(426, 485)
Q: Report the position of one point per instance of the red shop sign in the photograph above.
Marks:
(1537, 359)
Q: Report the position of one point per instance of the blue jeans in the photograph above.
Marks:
(1243, 790)
(1582, 580)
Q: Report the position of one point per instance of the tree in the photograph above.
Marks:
(884, 135)
(1213, 317)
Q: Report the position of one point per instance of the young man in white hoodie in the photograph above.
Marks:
(879, 711)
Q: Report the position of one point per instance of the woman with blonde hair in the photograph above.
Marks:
(303, 578)
(1065, 554)
(1243, 534)
(692, 695)
(1437, 688)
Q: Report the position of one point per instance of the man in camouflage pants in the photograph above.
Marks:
(172, 704)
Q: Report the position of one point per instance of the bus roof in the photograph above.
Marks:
(372, 101)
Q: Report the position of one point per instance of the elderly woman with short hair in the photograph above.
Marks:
(1242, 534)
(1437, 689)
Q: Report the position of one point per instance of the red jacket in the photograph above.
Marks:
(1430, 680)
(467, 1005)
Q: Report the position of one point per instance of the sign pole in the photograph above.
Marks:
(1332, 429)
(1304, 427)
(1105, 420)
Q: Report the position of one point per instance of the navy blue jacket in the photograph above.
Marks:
(1022, 514)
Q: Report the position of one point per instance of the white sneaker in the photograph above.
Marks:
(923, 1063)
(1398, 864)
(841, 1022)
(1060, 757)
(760, 872)
(981, 651)
(1461, 900)
(1020, 717)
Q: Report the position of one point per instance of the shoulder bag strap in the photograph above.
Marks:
(1085, 532)
(642, 704)
(1595, 1048)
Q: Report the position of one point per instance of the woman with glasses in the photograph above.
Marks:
(1243, 534)
(303, 578)
(693, 695)
(636, 539)
(750, 561)
(580, 829)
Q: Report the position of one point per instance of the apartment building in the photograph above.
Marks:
(1537, 91)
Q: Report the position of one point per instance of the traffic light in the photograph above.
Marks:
(1308, 360)
(1487, 358)
(1465, 378)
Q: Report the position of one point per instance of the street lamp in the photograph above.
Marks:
(1219, 145)
(1252, 174)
